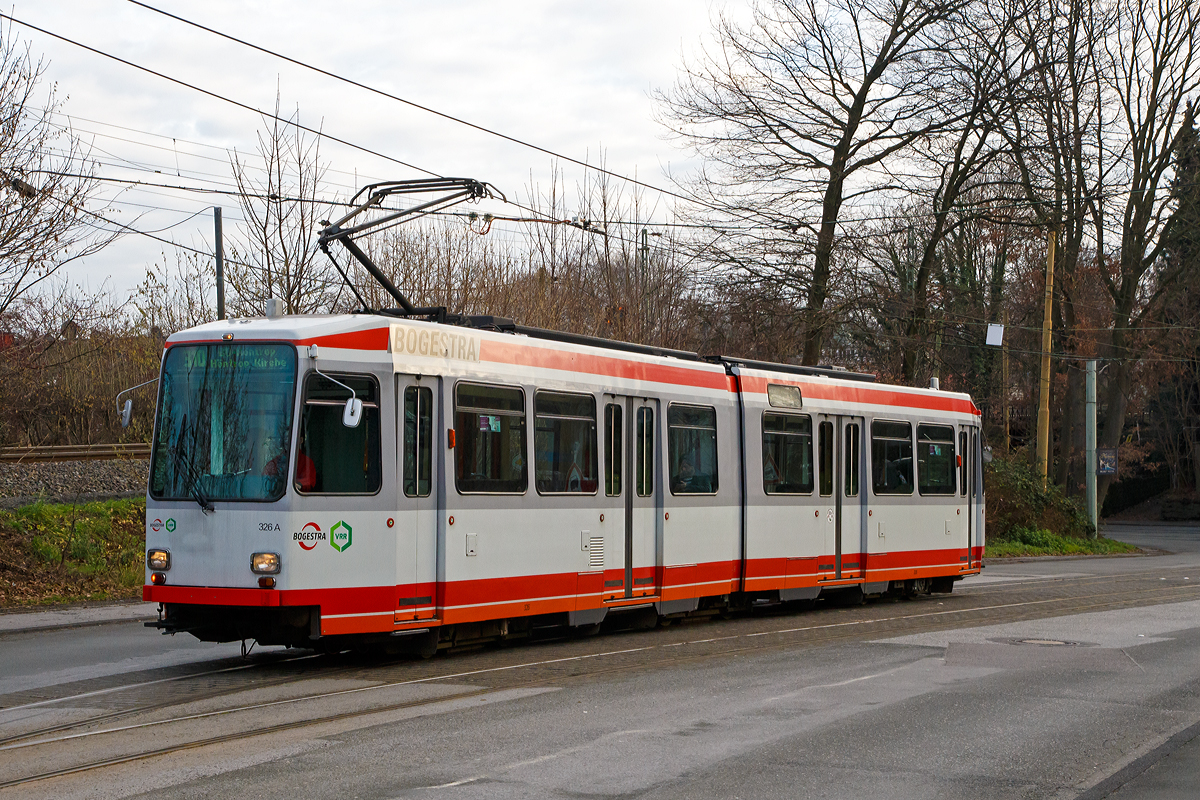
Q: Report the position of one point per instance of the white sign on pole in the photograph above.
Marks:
(995, 335)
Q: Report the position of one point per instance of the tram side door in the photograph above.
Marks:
(839, 490)
(975, 539)
(638, 499)
(968, 489)
(414, 524)
(853, 516)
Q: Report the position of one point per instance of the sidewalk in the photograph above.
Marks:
(22, 621)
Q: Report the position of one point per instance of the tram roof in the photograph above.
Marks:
(371, 332)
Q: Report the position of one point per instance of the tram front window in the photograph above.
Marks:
(224, 422)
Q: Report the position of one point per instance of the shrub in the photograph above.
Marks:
(1017, 505)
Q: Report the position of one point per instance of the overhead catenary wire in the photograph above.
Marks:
(216, 95)
(413, 104)
(545, 218)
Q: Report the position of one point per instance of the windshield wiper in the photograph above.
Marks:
(191, 475)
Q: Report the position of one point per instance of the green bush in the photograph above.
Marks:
(1017, 505)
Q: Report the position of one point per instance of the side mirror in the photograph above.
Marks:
(987, 455)
(126, 413)
(352, 413)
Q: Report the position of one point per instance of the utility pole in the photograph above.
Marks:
(1043, 435)
(641, 301)
(220, 253)
(1090, 446)
(1004, 385)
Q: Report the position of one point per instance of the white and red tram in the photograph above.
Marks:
(483, 482)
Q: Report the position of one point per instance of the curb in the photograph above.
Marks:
(75, 617)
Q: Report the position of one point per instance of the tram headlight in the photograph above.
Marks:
(158, 560)
(265, 563)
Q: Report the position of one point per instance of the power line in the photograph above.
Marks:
(418, 106)
(216, 96)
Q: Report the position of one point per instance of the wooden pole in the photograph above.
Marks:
(1043, 434)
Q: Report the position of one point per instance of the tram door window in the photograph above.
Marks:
(331, 458)
(935, 459)
(976, 463)
(644, 456)
(692, 448)
(418, 441)
(825, 451)
(963, 460)
(853, 446)
(891, 457)
(489, 429)
(614, 432)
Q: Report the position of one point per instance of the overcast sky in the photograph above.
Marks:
(570, 77)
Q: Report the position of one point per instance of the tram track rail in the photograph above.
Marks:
(74, 452)
(158, 706)
(654, 654)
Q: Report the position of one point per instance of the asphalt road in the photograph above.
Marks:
(1097, 703)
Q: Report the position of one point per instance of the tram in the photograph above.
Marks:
(408, 479)
(316, 477)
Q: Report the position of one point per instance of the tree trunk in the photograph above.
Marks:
(815, 323)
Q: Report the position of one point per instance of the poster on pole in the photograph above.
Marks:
(1106, 461)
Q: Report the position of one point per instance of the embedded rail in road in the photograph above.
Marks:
(173, 717)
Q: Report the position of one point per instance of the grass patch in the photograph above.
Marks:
(1040, 542)
(62, 553)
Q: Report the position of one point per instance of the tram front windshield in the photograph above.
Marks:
(224, 422)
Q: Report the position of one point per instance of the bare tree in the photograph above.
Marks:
(273, 252)
(1154, 72)
(794, 112)
(171, 299)
(47, 181)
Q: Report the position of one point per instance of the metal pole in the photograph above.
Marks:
(220, 253)
(1043, 440)
(1090, 421)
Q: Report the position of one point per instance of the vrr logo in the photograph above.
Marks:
(341, 536)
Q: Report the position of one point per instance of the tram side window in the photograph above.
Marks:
(935, 459)
(489, 432)
(692, 448)
(645, 452)
(892, 457)
(418, 441)
(787, 454)
(613, 437)
(331, 458)
(564, 443)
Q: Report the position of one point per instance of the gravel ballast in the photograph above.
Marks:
(72, 481)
